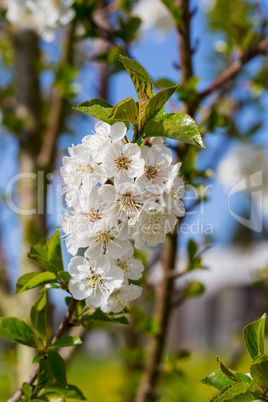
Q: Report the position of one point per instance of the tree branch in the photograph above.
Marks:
(234, 68)
(56, 114)
(162, 314)
(148, 382)
(64, 326)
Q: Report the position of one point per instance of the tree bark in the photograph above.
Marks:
(162, 313)
(163, 307)
(32, 224)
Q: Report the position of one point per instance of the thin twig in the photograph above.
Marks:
(235, 67)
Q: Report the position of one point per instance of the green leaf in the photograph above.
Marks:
(64, 275)
(259, 371)
(38, 315)
(71, 391)
(192, 248)
(98, 315)
(57, 366)
(38, 254)
(33, 281)
(193, 288)
(253, 336)
(156, 103)
(98, 108)
(48, 257)
(24, 279)
(66, 341)
(27, 392)
(140, 78)
(54, 256)
(15, 330)
(126, 110)
(227, 372)
(44, 377)
(164, 83)
(174, 10)
(218, 380)
(237, 392)
(179, 126)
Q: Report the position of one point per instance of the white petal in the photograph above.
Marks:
(118, 131)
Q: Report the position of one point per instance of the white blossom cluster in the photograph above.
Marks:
(117, 192)
(42, 16)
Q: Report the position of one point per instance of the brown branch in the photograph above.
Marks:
(162, 315)
(64, 326)
(234, 68)
(56, 114)
(163, 307)
(185, 50)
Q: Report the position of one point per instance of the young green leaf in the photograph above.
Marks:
(259, 371)
(98, 108)
(54, 256)
(164, 83)
(193, 289)
(71, 391)
(253, 336)
(38, 254)
(27, 392)
(98, 315)
(218, 380)
(44, 377)
(237, 392)
(140, 78)
(24, 279)
(38, 315)
(15, 330)
(64, 275)
(66, 341)
(126, 110)
(227, 372)
(156, 103)
(179, 126)
(32, 281)
(57, 366)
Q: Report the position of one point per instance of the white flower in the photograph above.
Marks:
(123, 161)
(173, 193)
(121, 298)
(132, 267)
(152, 225)
(107, 239)
(105, 134)
(43, 16)
(157, 168)
(93, 280)
(72, 197)
(123, 200)
(80, 170)
(150, 141)
(79, 223)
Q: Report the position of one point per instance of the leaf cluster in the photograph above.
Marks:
(240, 387)
(148, 115)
